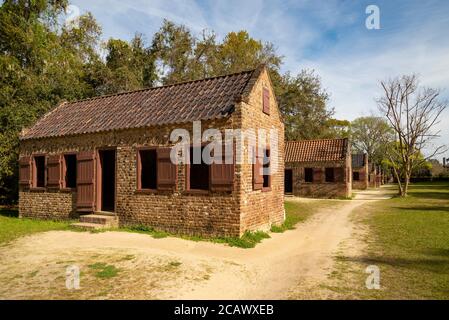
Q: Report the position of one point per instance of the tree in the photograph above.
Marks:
(370, 135)
(412, 112)
(303, 103)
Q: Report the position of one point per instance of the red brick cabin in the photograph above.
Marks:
(360, 171)
(110, 155)
(318, 168)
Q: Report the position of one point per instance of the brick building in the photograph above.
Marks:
(110, 156)
(318, 168)
(360, 171)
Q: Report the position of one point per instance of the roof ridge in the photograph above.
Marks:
(164, 86)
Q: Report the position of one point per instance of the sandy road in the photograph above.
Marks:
(269, 271)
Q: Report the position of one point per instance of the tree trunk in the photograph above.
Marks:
(398, 178)
(405, 185)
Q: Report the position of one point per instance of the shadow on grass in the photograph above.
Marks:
(436, 265)
(430, 195)
(424, 208)
(9, 212)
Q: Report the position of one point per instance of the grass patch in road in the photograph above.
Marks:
(248, 240)
(409, 242)
(103, 270)
(12, 227)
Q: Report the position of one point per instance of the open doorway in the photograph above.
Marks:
(288, 181)
(106, 180)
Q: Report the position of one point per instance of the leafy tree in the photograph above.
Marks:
(303, 103)
(371, 135)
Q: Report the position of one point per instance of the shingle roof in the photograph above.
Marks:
(358, 160)
(203, 99)
(316, 150)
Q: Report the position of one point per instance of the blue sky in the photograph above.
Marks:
(327, 36)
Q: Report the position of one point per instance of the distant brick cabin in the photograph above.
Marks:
(111, 154)
(318, 168)
(360, 171)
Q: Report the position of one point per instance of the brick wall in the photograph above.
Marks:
(260, 209)
(362, 183)
(321, 189)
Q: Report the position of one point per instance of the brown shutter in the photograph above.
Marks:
(318, 175)
(85, 181)
(266, 101)
(339, 174)
(257, 168)
(167, 172)
(222, 175)
(54, 171)
(25, 171)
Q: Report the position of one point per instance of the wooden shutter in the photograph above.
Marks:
(222, 175)
(85, 181)
(167, 172)
(25, 173)
(257, 171)
(266, 101)
(339, 175)
(54, 171)
(318, 175)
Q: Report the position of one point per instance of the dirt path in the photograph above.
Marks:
(172, 268)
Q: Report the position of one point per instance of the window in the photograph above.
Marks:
(356, 176)
(39, 177)
(266, 169)
(308, 174)
(198, 173)
(330, 176)
(70, 171)
(266, 101)
(147, 169)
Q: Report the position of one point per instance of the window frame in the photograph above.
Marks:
(64, 171)
(187, 173)
(311, 175)
(139, 188)
(333, 174)
(34, 172)
(268, 150)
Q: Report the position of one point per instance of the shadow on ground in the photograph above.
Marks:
(9, 212)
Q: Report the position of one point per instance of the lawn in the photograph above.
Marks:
(11, 227)
(408, 240)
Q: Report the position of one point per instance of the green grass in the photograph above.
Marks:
(11, 227)
(409, 242)
(146, 230)
(248, 240)
(103, 270)
(297, 211)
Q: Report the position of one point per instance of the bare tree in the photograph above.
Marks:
(413, 112)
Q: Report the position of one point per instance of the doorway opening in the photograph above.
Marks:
(106, 179)
(288, 181)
